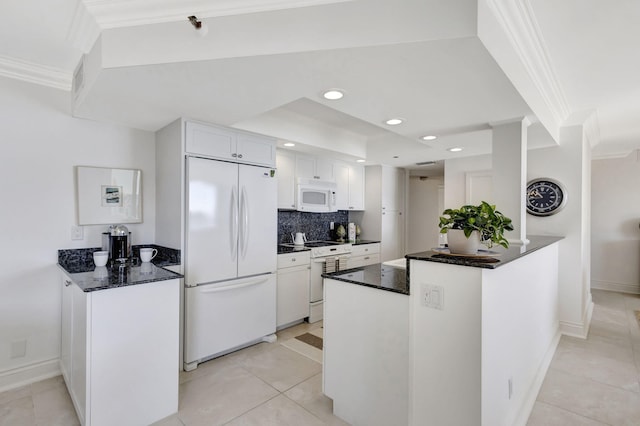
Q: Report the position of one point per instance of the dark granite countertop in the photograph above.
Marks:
(105, 277)
(78, 264)
(503, 257)
(377, 276)
(359, 242)
(288, 249)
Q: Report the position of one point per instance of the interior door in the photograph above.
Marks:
(258, 220)
(212, 221)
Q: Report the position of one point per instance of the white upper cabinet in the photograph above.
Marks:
(227, 144)
(286, 173)
(392, 188)
(308, 167)
(350, 180)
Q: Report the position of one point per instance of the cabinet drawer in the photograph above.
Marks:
(360, 261)
(290, 260)
(363, 249)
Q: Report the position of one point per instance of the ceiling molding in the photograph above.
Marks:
(519, 22)
(35, 73)
(126, 13)
(84, 30)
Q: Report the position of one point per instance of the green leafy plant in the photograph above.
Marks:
(489, 222)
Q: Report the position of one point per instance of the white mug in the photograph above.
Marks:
(100, 258)
(146, 254)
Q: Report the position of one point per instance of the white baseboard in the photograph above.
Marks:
(534, 389)
(619, 287)
(580, 329)
(22, 376)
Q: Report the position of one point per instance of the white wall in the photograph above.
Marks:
(423, 214)
(455, 173)
(40, 145)
(615, 216)
(569, 164)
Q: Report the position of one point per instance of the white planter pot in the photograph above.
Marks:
(460, 244)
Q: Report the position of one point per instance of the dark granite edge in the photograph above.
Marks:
(288, 250)
(335, 276)
(79, 278)
(537, 242)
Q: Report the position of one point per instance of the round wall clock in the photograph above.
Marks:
(545, 197)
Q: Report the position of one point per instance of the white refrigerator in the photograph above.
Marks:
(230, 257)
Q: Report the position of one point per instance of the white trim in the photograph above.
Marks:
(612, 286)
(521, 27)
(580, 329)
(22, 376)
(84, 30)
(532, 394)
(35, 73)
(124, 13)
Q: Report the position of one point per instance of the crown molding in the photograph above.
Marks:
(521, 27)
(84, 30)
(125, 13)
(35, 73)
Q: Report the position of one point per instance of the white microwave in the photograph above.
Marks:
(316, 196)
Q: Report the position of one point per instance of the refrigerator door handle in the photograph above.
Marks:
(244, 212)
(235, 285)
(234, 224)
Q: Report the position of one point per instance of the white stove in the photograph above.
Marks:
(326, 256)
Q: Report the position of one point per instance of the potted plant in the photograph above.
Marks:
(472, 225)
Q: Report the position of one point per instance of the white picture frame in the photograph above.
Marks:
(108, 196)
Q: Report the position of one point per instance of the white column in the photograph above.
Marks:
(509, 160)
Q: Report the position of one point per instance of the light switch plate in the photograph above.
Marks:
(77, 233)
(432, 296)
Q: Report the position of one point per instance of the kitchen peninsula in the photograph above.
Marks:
(469, 342)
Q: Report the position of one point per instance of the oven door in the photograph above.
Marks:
(320, 266)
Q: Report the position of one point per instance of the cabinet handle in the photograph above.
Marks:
(234, 155)
(366, 249)
(366, 258)
(239, 155)
(350, 208)
(293, 259)
(293, 205)
(67, 283)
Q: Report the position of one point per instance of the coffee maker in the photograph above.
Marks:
(119, 244)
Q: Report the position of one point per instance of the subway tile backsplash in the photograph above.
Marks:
(314, 225)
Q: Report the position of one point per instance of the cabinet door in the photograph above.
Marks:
(305, 167)
(324, 169)
(356, 187)
(392, 188)
(293, 295)
(256, 150)
(79, 350)
(210, 141)
(65, 340)
(341, 171)
(286, 173)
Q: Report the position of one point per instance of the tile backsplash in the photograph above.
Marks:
(314, 225)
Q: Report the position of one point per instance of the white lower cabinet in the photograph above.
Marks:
(293, 288)
(120, 350)
(363, 255)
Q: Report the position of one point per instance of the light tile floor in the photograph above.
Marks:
(590, 382)
(595, 381)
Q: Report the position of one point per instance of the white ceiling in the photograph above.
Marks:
(265, 60)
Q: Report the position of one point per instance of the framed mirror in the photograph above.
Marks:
(108, 196)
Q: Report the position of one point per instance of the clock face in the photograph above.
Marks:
(545, 197)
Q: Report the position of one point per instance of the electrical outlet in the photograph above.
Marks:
(77, 233)
(433, 296)
(331, 226)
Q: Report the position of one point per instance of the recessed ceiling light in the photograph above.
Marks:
(429, 138)
(360, 161)
(456, 149)
(394, 121)
(289, 144)
(333, 94)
